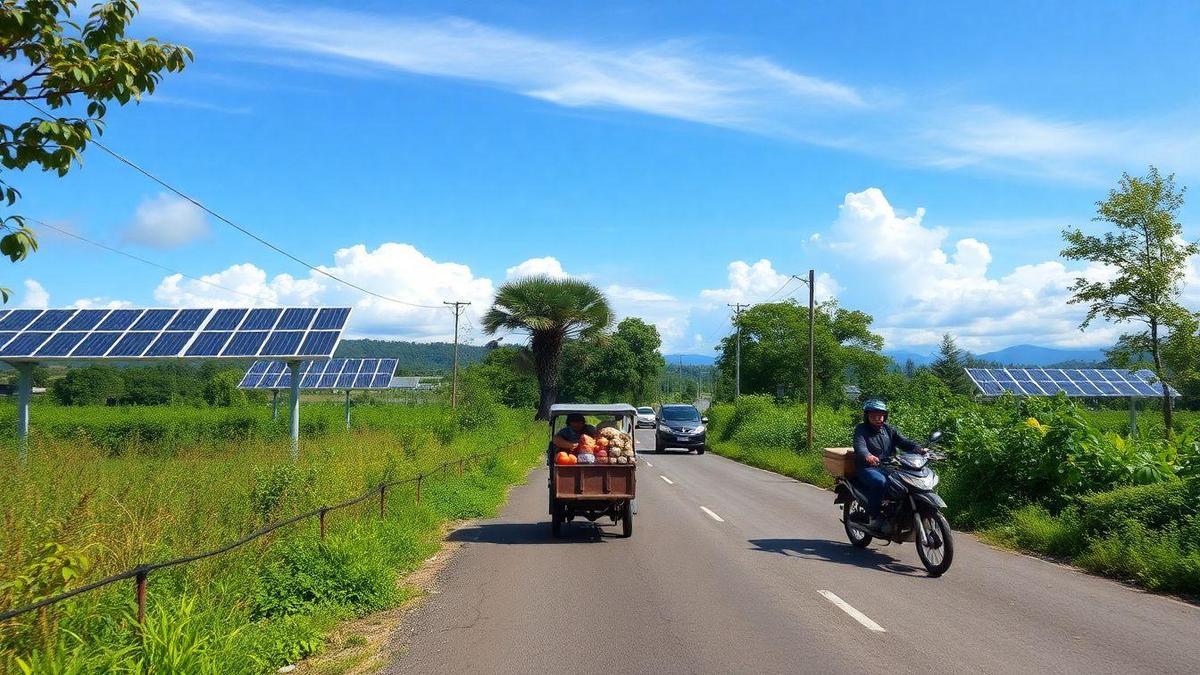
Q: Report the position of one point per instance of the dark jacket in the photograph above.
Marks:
(881, 443)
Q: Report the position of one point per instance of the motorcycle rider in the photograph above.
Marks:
(875, 441)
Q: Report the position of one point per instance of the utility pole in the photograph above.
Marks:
(459, 308)
(737, 377)
(810, 357)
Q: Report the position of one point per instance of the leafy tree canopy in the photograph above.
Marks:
(52, 62)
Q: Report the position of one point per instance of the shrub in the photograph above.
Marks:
(339, 570)
(1153, 506)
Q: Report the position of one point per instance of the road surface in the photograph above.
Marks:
(732, 569)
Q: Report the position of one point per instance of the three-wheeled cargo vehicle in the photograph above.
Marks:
(592, 491)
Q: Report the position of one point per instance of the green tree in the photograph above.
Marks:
(948, 366)
(90, 385)
(510, 372)
(221, 388)
(552, 311)
(1147, 256)
(775, 350)
(50, 60)
(643, 342)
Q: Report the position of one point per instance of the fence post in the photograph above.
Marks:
(141, 596)
(323, 509)
(382, 497)
(419, 477)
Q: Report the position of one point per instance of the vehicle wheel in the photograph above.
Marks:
(627, 521)
(556, 523)
(700, 451)
(937, 556)
(859, 538)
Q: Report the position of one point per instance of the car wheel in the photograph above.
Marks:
(700, 451)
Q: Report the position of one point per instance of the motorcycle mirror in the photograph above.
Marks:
(934, 437)
(704, 420)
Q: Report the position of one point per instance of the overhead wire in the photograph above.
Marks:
(183, 195)
(140, 259)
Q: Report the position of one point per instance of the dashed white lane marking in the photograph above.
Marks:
(669, 481)
(649, 465)
(712, 515)
(857, 615)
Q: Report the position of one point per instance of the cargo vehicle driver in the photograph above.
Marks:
(568, 437)
(876, 441)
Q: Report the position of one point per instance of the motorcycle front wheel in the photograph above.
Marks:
(858, 537)
(937, 552)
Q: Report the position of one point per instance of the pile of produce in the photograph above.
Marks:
(611, 446)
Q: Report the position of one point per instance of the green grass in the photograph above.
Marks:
(803, 466)
(79, 512)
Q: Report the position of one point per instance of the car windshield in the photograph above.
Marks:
(646, 411)
(681, 414)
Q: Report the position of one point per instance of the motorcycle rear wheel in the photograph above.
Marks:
(937, 558)
(859, 538)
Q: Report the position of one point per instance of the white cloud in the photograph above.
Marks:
(36, 296)
(920, 290)
(394, 270)
(547, 266)
(748, 283)
(681, 79)
(663, 311)
(670, 78)
(166, 221)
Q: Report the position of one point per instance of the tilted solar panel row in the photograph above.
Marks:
(235, 332)
(1075, 382)
(332, 374)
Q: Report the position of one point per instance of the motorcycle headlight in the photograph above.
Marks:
(921, 482)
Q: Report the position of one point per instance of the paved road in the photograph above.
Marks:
(690, 594)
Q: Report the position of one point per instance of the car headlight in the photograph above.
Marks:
(664, 428)
(698, 430)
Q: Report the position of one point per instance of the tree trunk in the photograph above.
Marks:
(1162, 381)
(547, 348)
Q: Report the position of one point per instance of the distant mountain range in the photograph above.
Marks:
(690, 359)
(1017, 355)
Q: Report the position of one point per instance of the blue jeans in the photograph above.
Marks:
(873, 482)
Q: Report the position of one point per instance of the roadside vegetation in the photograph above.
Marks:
(89, 504)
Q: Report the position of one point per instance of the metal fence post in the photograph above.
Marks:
(323, 522)
(141, 596)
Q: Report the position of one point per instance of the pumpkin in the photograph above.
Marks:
(562, 458)
(572, 459)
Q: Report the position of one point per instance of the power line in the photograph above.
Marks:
(149, 262)
(131, 164)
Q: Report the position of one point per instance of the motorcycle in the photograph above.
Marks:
(911, 511)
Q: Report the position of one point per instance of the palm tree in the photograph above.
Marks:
(552, 311)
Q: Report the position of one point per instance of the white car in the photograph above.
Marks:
(646, 418)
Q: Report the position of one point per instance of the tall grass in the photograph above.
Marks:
(79, 511)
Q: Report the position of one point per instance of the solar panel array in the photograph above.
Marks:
(38, 335)
(1097, 382)
(334, 374)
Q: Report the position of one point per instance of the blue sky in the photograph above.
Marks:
(921, 158)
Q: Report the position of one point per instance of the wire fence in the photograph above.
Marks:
(142, 572)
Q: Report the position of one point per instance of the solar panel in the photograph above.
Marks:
(66, 334)
(1107, 382)
(334, 374)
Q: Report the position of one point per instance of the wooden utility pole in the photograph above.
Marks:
(737, 369)
(810, 356)
(459, 308)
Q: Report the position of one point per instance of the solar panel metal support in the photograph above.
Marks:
(24, 393)
(347, 410)
(274, 404)
(294, 367)
(1132, 416)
